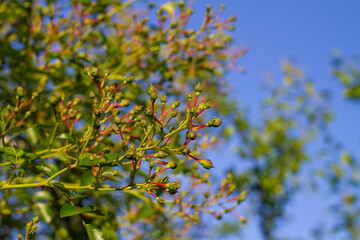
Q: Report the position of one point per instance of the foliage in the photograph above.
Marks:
(276, 148)
(91, 149)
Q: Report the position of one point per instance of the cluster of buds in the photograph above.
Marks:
(138, 127)
(20, 107)
(30, 229)
(65, 111)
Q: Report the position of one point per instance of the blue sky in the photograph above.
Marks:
(305, 32)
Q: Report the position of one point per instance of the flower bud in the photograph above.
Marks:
(172, 164)
(35, 94)
(19, 236)
(198, 88)
(94, 72)
(87, 70)
(208, 105)
(35, 219)
(189, 96)
(72, 114)
(117, 120)
(124, 103)
(232, 19)
(107, 72)
(160, 200)
(163, 99)
(172, 187)
(160, 154)
(116, 173)
(128, 79)
(99, 112)
(152, 92)
(27, 114)
(190, 135)
(118, 96)
(175, 104)
(174, 113)
(16, 109)
(152, 163)
(207, 164)
(148, 112)
(20, 91)
(214, 122)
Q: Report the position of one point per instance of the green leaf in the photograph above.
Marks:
(62, 189)
(85, 160)
(94, 233)
(67, 137)
(8, 150)
(90, 209)
(145, 212)
(68, 210)
(111, 157)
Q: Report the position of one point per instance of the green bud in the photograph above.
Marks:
(189, 96)
(94, 72)
(172, 164)
(136, 109)
(232, 19)
(28, 227)
(91, 158)
(144, 123)
(35, 219)
(192, 110)
(152, 163)
(198, 88)
(116, 173)
(206, 194)
(214, 122)
(208, 105)
(124, 103)
(118, 96)
(117, 120)
(20, 91)
(160, 201)
(107, 72)
(207, 164)
(16, 109)
(109, 98)
(149, 112)
(172, 187)
(175, 104)
(160, 154)
(128, 79)
(163, 99)
(72, 114)
(190, 135)
(87, 70)
(35, 94)
(152, 92)
(174, 113)
(99, 112)
(158, 169)
(19, 236)
(27, 114)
